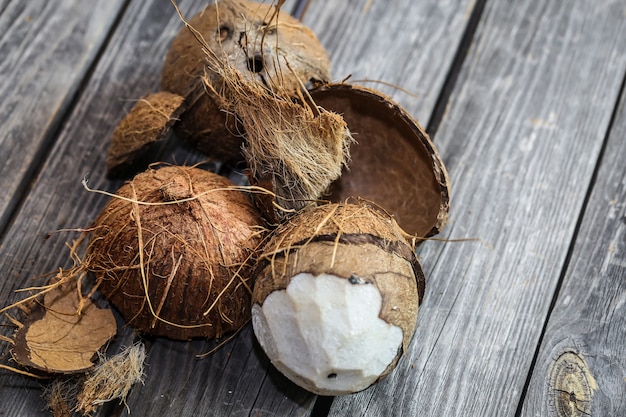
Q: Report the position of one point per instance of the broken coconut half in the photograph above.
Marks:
(393, 162)
(336, 297)
(148, 122)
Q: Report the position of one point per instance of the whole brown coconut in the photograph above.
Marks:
(172, 252)
(268, 46)
(336, 297)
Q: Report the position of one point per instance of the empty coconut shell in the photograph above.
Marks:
(63, 333)
(393, 162)
(270, 48)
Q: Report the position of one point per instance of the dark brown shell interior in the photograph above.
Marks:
(393, 162)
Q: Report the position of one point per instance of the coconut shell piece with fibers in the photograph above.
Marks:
(172, 251)
(266, 46)
(393, 161)
(148, 122)
(64, 333)
(319, 277)
(293, 148)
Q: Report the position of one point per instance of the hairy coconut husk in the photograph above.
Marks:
(268, 47)
(393, 161)
(148, 122)
(112, 379)
(293, 150)
(172, 253)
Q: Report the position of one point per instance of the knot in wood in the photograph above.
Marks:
(571, 386)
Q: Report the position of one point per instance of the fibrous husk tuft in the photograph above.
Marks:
(293, 150)
(265, 46)
(61, 396)
(148, 122)
(112, 379)
(172, 252)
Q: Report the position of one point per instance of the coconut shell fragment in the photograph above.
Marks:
(148, 122)
(173, 253)
(269, 47)
(292, 150)
(336, 298)
(61, 337)
(393, 161)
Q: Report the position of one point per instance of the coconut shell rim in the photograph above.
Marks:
(439, 170)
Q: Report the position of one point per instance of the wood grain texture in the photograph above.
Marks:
(521, 139)
(46, 48)
(405, 44)
(581, 368)
(129, 69)
(523, 131)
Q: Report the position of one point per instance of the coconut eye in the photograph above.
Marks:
(224, 32)
(255, 63)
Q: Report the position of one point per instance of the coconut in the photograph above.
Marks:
(173, 253)
(148, 122)
(336, 297)
(293, 149)
(393, 161)
(269, 47)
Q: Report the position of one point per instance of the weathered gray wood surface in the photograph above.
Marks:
(247, 384)
(46, 49)
(524, 129)
(581, 367)
(128, 69)
(392, 46)
(521, 136)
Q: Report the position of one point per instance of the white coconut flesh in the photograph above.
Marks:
(324, 333)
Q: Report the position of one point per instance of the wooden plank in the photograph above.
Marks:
(392, 45)
(129, 69)
(521, 137)
(237, 379)
(46, 49)
(581, 367)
